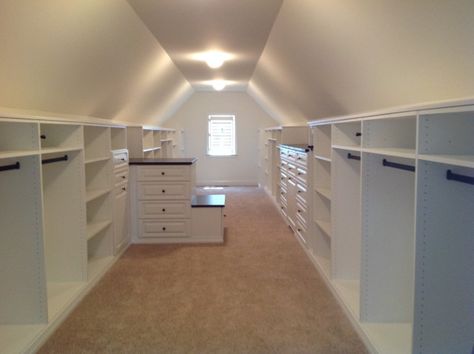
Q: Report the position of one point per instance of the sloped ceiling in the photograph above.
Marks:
(85, 58)
(327, 58)
(185, 28)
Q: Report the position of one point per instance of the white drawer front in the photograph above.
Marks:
(302, 195)
(121, 176)
(164, 173)
(301, 175)
(168, 228)
(164, 191)
(164, 210)
(301, 159)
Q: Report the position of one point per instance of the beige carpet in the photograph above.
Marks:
(257, 294)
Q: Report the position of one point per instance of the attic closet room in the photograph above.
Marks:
(223, 176)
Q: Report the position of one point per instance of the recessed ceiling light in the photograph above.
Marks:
(219, 85)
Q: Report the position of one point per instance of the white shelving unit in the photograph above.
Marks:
(118, 137)
(151, 142)
(18, 139)
(99, 184)
(399, 257)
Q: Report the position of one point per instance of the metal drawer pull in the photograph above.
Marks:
(163, 191)
(164, 228)
(163, 210)
(123, 177)
(162, 173)
(124, 189)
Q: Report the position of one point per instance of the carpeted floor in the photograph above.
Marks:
(256, 294)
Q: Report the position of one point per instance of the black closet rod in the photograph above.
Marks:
(55, 159)
(353, 157)
(460, 178)
(400, 166)
(15, 166)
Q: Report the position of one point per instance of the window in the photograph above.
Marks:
(221, 139)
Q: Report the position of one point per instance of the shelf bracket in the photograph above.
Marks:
(459, 178)
(15, 166)
(353, 157)
(56, 159)
(399, 166)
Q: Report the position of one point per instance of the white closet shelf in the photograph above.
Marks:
(94, 228)
(152, 149)
(349, 292)
(96, 266)
(53, 150)
(457, 160)
(325, 192)
(165, 140)
(61, 295)
(347, 147)
(324, 158)
(15, 338)
(97, 159)
(396, 152)
(325, 226)
(389, 338)
(18, 153)
(95, 193)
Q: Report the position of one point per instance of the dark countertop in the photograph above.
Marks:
(208, 201)
(297, 147)
(163, 161)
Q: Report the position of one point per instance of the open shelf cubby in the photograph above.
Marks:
(322, 141)
(447, 137)
(388, 248)
(118, 137)
(98, 175)
(97, 144)
(393, 136)
(346, 226)
(57, 137)
(18, 139)
(64, 228)
(148, 141)
(444, 260)
(347, 135)
(22, 274)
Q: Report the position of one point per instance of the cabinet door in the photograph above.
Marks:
(121, 235)
(291, 199)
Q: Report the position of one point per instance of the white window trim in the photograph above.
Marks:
(213, 116)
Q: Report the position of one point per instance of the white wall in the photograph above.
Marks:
(327, 58)
(249, 117)
(91, 58)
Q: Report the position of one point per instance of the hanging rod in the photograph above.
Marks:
(353, 157)
(43, 136)
(15, 166)
(400, 166)
(460, 178)
(56, 159)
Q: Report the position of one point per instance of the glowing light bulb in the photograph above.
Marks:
(215, 62)
(219, 85)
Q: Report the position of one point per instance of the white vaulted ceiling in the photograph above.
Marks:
(300, 59)
(185, 27)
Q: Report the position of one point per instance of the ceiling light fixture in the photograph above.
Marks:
(219, 85)
(214, 59)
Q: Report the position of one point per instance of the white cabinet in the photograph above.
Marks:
(161, 204)
(121, 201)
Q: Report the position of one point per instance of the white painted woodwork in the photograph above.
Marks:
(208, 224)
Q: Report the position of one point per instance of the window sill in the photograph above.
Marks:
(234, 155)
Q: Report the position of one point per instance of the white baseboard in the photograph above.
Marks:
(226, 183)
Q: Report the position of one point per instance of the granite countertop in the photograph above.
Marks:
(163, 161)
(208, 201)
(297, 147)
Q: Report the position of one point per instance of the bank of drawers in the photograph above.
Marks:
(294, 190)
(164, 201)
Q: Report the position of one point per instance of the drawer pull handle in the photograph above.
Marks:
(299, 158)
(164, 228)
(43, 136)
(299, 211)
(163, 210)
(299, 173)
(300, 191)
(162, 173)
(299, 230)
(163, 191)
(123, 177)
(124, 189)
(122, 159)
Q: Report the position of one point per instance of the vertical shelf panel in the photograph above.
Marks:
(444, 296)
(387, 241)
(22, 273)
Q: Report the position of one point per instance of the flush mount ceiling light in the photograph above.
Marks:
(219, 85)
(214, 59)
